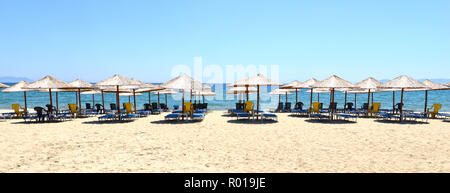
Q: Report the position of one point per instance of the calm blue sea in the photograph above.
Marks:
(413, 100)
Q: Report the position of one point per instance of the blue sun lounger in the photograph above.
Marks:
(172, 116)
(107, 117)
(269, 116)
(243, 115)
(346, 116)
(388, 116)
(319, 116)
(415, 116)
(198, 116)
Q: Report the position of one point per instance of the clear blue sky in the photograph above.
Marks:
(93, 39)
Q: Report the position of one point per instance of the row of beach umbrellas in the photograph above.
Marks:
(184, 83)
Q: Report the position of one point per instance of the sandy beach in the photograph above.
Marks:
(220, 144)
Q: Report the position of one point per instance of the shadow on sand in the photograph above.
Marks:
(172, 122)
(107, 122)
(251, 121)
(406, 122)
(327, 121)
(39, 122)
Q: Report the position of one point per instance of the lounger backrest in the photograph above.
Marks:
(375, 107)
(248, 107)
(112, 106)
(316, 106)
(39, 111)
(17, 108)
(73, 108)
(436, 108)
(128, 108)
(88, 105)
(188, 108)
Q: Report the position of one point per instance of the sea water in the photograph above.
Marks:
(413, 100)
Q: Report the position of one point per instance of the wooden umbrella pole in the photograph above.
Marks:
(345, 100)
(182, 105)
(393, 102)
(318, 97)
(57, 103)
(158, 99)
(401, 106)
(296, 96)
(103, 100)
(76, 98)
(355, 101)
(286, 97)
(149, 98)
(332, 104)
(310, 100)
(372, 98)
(426, 100)
(165, 95)
(79, 98)
(246, 91)
(368, 102)
(203, 99)
(279, 98)
(134, 99)
(118, 102)
(25, 99)
(93, 100)
(129, 99)
(257, 102)
(51, 101)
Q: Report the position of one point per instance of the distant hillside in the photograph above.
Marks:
(10, 79)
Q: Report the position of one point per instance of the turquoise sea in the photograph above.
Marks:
(414, 100)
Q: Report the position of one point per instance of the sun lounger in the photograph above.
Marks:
(269, 116)
(173, 116)
(415, 116)
(346, 116)
(197, 116)
(243, 115)
(387, 116)
(319, 116)
(107, 117)
(443, 115)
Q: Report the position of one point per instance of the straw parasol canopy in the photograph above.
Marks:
(310, 82)
(117, 81)
(240, 90)
(78, 86)
(48, 82)
(165, 92)
(258, 80)
(333, 82)
(19, 88)
(368, 84)
(430, 85)
(402, 82)
(447, 84)
(3, 85)
(184, 83)
(295, 85)
(280, 92)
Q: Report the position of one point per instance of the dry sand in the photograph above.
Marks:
(219, 144)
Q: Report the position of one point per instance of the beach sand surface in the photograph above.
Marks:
(222, 144)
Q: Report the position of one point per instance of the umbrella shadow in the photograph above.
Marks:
(107, 122)
(327, 121)
(37, 122)
(251, 121)
(404, 122)
(173, 122)
(297, 115)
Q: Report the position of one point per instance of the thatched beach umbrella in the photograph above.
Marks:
(430, 85)
(280, 92)
(368, 84)
(93, 93)
(19, 88)
(295, 85)
(447, 84)
(402, 82)
(3, 85)
(165, 92)
(241, 91)
(117, 81)
(309, 83)
(332, 83)
(149, 89)
(203, 94)
(48, 82)
(184, 83)
(258, 80)
(80, 85)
